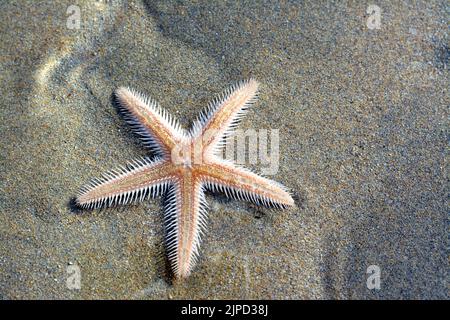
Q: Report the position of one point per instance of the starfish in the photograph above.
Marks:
(185, 164)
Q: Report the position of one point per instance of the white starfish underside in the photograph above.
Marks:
(186, 163)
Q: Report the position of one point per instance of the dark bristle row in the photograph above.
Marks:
(243, 195)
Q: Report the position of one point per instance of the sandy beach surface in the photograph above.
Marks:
(361, 105)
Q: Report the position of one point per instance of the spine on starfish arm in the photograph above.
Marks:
(157, 129)
(185, 223)
(219, 120)
(136, 181)
(243, 184)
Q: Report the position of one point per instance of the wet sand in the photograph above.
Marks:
(362, 120)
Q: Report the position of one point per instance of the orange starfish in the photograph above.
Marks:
(186, 163)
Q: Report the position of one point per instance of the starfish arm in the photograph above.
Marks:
(242, 184)
(185, 219)
(136, 181)
(157, 129)
(218, 121)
